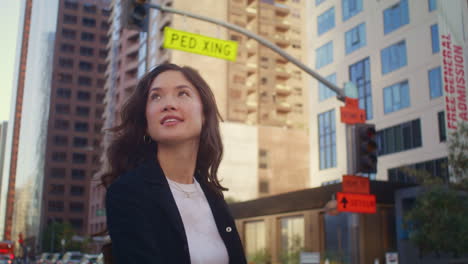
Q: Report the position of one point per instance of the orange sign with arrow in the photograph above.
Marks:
(356, 203)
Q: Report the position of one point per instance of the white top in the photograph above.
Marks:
(205, 244)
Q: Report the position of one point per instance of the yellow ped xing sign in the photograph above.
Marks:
(203, 45)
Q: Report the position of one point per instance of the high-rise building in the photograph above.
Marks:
(390, 50)
(3, 137)
(262, 97)
(75, 112)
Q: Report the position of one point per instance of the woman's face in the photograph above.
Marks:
(174, 110)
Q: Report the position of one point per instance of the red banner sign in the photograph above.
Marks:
(356, 203)
(355, 184)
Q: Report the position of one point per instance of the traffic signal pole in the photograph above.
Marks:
(340, 95)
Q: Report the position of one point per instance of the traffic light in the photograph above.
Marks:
(135, 14)
(365, 148)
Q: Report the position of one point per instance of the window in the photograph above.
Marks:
(104, 25)
(355, 38)
(106, 12)
(62, 108)
(255, 238)
(104, 39)
(441, 121)
(76, 207)
(77, 174)
(326, 21)
(66, 63)
(76, 223)
(398, 138)
(86, 51)
(84, 81)
(436, 167)
(67, 48)
(101, 83)
(396, 97)
(341, 234)
(89, 8)
(324, 55)
(86, 36)
(359, 74)
(318, 2)
(57, 189)
(68, 33)
(291, 234)
(58, 173)
(76, 190)
(351, 8)
(102, 68)
(324, 91)
(79, 158)
(60, 140)
(55, 206)
(63, 93)
(327, 139)
(97, 128)
(435, 82)
(83, 96)
(432, 5)
(396, 16)
(435, 38)
(86, 66)
(71, 5)
(59, 156)
(80, 142)
(61, 124)
(69, 19)
(88, 22)
(102, 54)
(65, 78)
(98, 113)
(82, 111)
(81, 127)
(393, 57)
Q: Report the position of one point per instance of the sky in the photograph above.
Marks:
(9, 20)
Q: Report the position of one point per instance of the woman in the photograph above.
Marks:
(164, 202)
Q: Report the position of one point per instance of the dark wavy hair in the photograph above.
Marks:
(127, 149)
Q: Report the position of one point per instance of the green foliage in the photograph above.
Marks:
(438, 223)
(261, 256)
(53, 235)
(293, 253)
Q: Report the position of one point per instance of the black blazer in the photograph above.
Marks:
(145, 225)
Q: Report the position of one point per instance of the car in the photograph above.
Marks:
(45, 258)
(55, 258)
(89, 259)
(71, 257)
(5, 259)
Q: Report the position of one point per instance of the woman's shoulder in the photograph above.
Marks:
(129, 180)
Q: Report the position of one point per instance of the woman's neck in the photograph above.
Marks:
(178, 161)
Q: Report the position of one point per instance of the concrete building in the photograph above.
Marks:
(75, 112)
(3, 137)
(262, 98)
(390, 51)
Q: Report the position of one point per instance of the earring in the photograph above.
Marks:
(146, 139)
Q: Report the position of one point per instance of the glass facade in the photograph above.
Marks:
(355, 38)
(292, 239)
(341, 238)
(359, 74)
(351, 8)
(396, 16)
(324, 91)
(34, 119)
(255, 239)
(327, 139)
(393, 57)
(324, 55)
(326, 21)
(398, 138)
(396, 97)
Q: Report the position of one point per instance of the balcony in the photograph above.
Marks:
(251, 87)
(282, 73)
(281, 40)
(283, 89)
(283, 107)
(251, 106)
(251, 12)
(282, 9)
(282, 25)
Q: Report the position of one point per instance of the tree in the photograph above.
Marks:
(53, 235)
(438, 222)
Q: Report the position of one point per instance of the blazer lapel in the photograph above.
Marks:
(162, 196)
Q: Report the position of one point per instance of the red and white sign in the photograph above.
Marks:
(356, 203)
(355, 184)
(351, 113)
(453, 51)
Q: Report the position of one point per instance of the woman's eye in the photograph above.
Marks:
(183, 93)
(155, 97)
